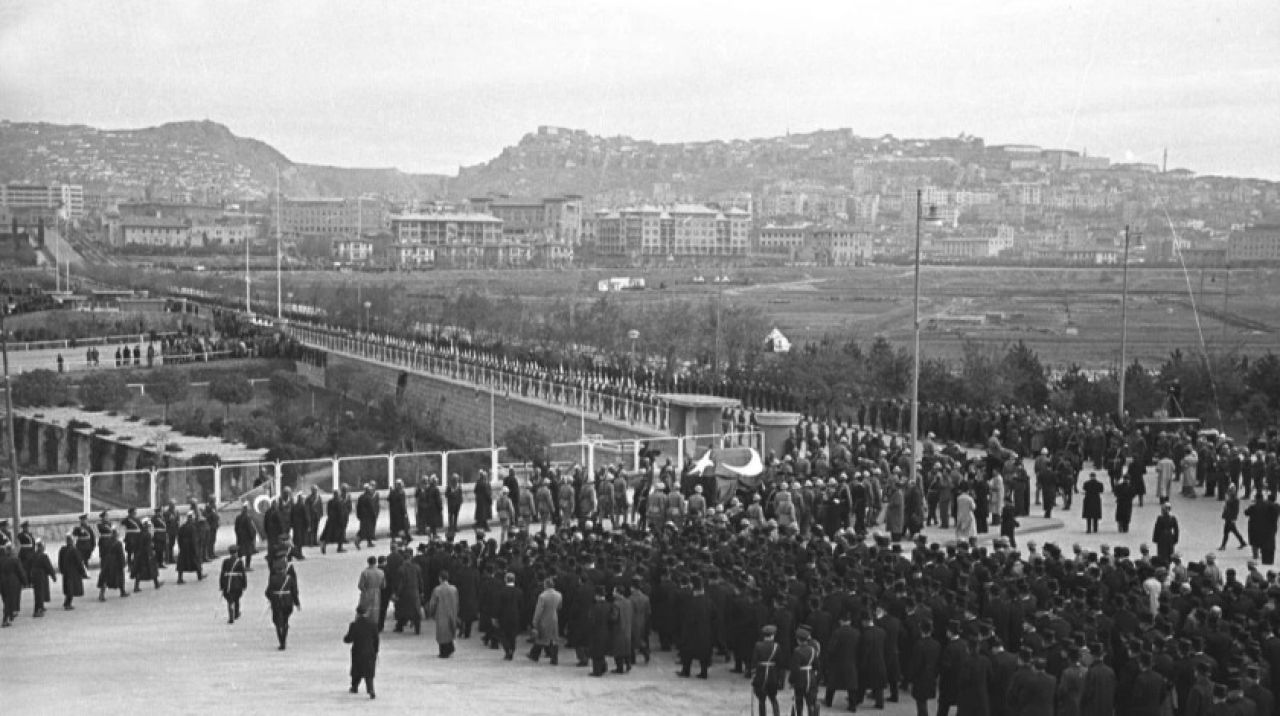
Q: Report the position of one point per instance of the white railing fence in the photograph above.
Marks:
(65, 496)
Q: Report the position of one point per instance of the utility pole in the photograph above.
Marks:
(1124, 324)
(1226, 301)
(10, 443)
(248, 284)
(915, 351)
(279, 255)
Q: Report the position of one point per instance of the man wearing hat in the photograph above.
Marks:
(367, 507)
(26, 548)
(804, 672)
(1254, 691)
(232, 581)
(83, 537)
(699, 623)
(508, 612)
(767, 676)
(282, 593)
(362, 635)
(1166, 532)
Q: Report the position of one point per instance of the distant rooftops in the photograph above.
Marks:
(484, 218)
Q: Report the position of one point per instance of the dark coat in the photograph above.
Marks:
(144, 567)
(872, 673)
(246, 535)
(1147, 693)
(840, 663)
(603, 620)
(367, 512)
(484, 501)
(73, 572)
(362, 635)
(434, 508)
(1092, 507)
(111, 563)
(507, 611)
(1031, 693)
(398, 505)
(698, 625)
(12, 577)
(189, 554)
(923, 669)
(975, 700)
(39, 574)
(335, 526)
(409, 595)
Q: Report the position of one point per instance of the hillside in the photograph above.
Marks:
(561, 160)
(203, 158)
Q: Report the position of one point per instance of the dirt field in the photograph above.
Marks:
(1067, 315)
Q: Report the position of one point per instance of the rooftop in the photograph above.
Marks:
(480, 218)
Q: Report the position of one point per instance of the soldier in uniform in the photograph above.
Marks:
(83, 539)
(26, 549)
(767, 675)
(132, 531)
(233, 581)
(159, 537)
(282, 593)
(804, 673)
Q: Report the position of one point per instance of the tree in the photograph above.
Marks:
(40, 387)
(103, 391)
(1025, 375)
(230, 389)
(285, 387)
(527, 443)
(168, 386)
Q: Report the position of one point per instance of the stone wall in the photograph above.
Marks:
(464, 408)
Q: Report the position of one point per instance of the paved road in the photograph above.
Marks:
(172, 648)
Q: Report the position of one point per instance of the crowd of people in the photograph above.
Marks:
(817, 580)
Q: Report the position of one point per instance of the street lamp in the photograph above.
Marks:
(932, 219)
(634, 335)
(367, 304)
(7, 308)
(1124, 315)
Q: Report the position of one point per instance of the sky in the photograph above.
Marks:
(429, 86)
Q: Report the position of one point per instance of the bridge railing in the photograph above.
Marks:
(635, 408)
(64, 496)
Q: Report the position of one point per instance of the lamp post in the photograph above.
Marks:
(915, 352)
(367, 304)
(248, 284)
(279, 255)
(634, 335)
(1124, 316)
(5, 309)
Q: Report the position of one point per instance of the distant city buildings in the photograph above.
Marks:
(677, 230)
(550, 220)
(301, 218)
(1254, 244)
(65, 201)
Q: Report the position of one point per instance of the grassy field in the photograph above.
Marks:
(1067, 315)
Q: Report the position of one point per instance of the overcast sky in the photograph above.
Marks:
(429, 86)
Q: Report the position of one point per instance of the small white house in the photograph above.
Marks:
(775, 342)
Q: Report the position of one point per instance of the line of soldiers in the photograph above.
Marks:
(135, 549)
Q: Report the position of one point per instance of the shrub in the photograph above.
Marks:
(103, 391)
